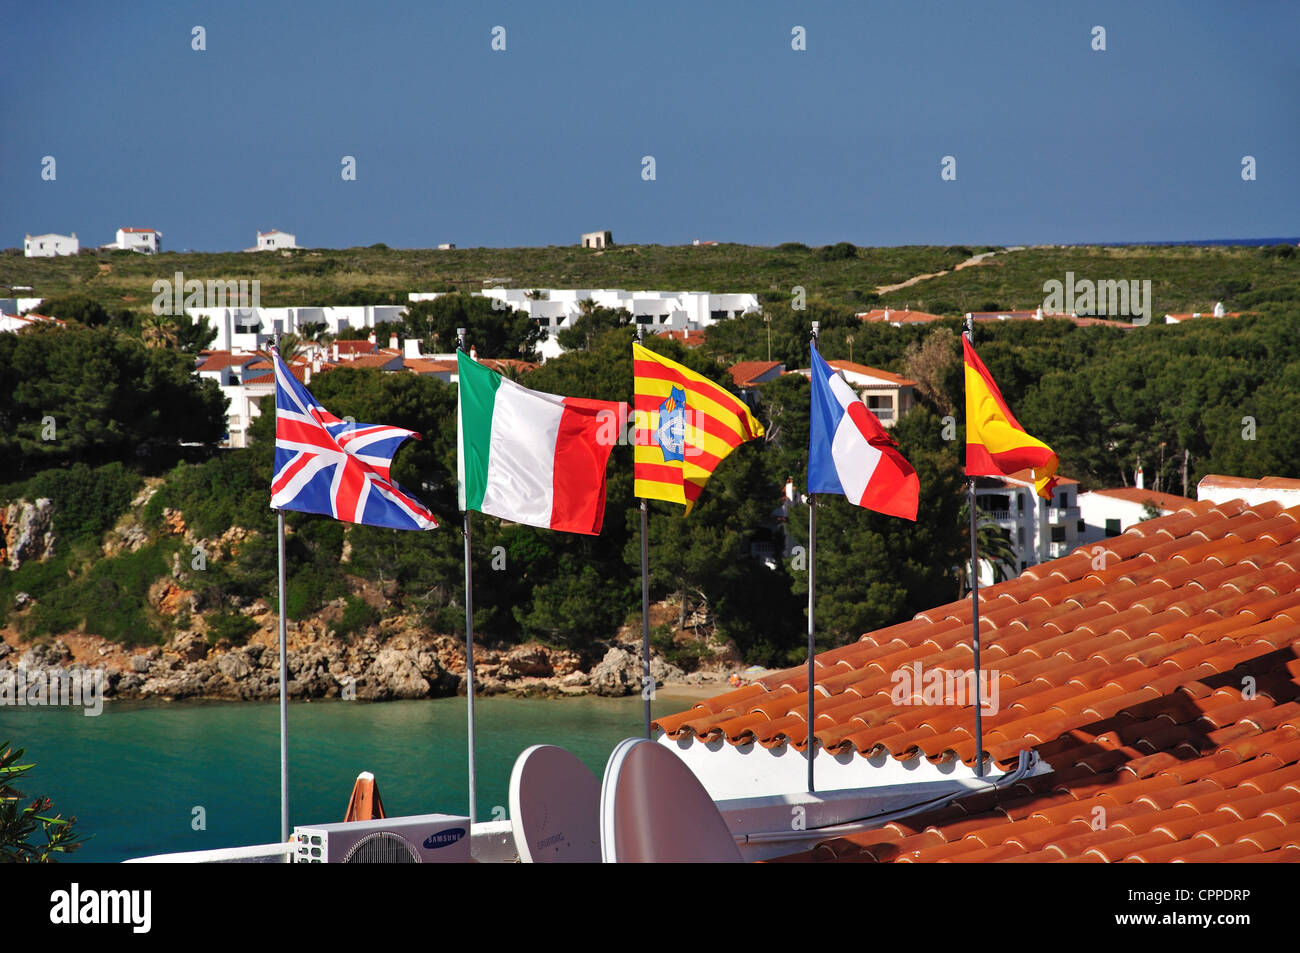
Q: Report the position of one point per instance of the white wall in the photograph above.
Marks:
(47, 246)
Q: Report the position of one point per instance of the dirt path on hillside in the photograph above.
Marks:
(970, 262)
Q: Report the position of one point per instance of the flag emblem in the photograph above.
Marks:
(672, 425)
(335, 467)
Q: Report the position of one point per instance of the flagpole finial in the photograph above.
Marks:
(460, 339)
(816, 329)
(970, 325)
(640, 333)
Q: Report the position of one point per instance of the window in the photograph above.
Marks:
(1022, 535)
(1058, 534)
(1112, 528)
(1081, 527)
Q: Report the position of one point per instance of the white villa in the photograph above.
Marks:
(148, 240)
(47, 246)
(274, 240)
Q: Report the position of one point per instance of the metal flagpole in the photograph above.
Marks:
(469, 637)
(284, 679)
(646, 681)
(975, 602)
(812, 602)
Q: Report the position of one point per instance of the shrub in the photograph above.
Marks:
(357, 616)
(86, 501)
(231, 626)
(840, 251)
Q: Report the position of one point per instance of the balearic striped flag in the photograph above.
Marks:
(531, 457)
(684, 426)
(996, 444)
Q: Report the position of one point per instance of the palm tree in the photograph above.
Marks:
(159, 330)
(994, 547)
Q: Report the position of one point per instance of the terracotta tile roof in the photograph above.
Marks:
(425, 366)
(139, 230)
(853, 368)
(1164, 501)
(382, 361)
(220, 360)
(356, 347)
(744, 373)
(688, 338)
(1163, 688)
(900, 316)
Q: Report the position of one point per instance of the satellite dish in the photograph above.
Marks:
(653, 809)
(554, 808)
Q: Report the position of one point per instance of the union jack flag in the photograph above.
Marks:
(337, 467)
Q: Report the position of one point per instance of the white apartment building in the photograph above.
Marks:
(1039, 529)
(558, 308)
(248, 329)
(49, 245)
(148, 240)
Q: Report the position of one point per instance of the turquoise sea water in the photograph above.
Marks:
(134, 775)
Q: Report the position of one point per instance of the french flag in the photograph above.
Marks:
(850, 453)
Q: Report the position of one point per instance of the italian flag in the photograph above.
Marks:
(530, 457)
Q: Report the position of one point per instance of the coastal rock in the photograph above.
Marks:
(190, 647)
(619, 673)
(140, 663)
(662, 671)
(234, 665)
(27, 531)
(393, 674)
(526, 661)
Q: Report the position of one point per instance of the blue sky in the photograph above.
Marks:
(753, 142)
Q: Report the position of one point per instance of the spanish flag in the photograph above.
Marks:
(996, 444)
(684, 426)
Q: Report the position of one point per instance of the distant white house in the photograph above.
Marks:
(887, 395)
(274, 240)
(47, 246)
(1108, 513)
(148, 240)
(14, 322)
(597, 239)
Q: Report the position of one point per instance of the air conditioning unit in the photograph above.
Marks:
(419, 839)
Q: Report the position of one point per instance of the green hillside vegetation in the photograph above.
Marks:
(1183, 277)
(1223, 390)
